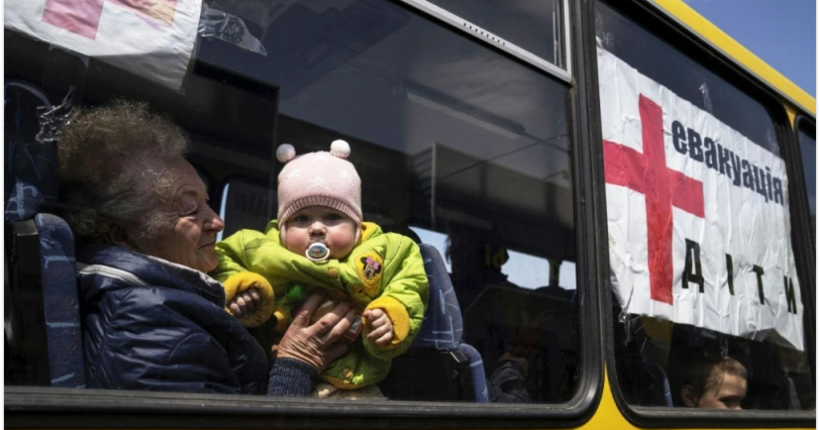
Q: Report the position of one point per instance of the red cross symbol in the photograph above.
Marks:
(83, 16)
(663, 188)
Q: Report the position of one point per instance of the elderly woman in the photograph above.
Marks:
(152, 318)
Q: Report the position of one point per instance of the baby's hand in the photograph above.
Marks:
(381, 328)
(245, 303)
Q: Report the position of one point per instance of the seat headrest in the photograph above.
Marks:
(442, 327)
(31, 166)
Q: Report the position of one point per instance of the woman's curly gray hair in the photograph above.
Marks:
(115, 170)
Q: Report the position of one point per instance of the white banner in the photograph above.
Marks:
(698, 215)
(152, 38)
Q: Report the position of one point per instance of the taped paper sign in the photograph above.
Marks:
(152, 38)
(698, 215)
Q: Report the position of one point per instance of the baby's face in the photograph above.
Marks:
(320, 224)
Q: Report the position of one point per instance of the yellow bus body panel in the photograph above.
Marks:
(737, 52)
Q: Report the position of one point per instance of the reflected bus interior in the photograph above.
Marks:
(430, 154)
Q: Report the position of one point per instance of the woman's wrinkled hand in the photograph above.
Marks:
(323, 341)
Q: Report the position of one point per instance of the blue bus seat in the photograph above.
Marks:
(438, 366)
(645, 382)
(658, 385)
(42, 304)
(61, 302)
(31, 166)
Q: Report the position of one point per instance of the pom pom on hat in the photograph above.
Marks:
(286, 152)
(339, 148)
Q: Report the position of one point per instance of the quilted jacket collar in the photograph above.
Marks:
(150, 270)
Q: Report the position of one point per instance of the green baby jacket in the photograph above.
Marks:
(384, 270)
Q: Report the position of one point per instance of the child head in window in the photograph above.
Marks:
(711, 382)
(320, 202)
(320, 240)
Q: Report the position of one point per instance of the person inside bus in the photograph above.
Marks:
(709, 381)
(508, 383)
(152, 318)
(320, 240)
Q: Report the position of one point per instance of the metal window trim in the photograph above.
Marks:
(567, 37)
(500, 43)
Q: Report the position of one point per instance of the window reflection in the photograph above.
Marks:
(654, 355)
(689, 80)
(465, 145)
(438, 240)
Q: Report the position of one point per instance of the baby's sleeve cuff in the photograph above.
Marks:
(244, 281)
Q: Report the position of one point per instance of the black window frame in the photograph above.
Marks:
(676, 34)
(802, 234)
(30, 406)
(802, 123)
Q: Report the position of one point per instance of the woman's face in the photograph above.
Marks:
(323, 225)
(192, 239)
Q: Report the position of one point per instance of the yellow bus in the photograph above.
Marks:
(615, 192)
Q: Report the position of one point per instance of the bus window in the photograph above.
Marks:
(703, 269)
(449, 136)
(442, 143)
(526, 271)
(808, 153)
(438, 240)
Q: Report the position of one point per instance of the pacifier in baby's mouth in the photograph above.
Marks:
(317, 252)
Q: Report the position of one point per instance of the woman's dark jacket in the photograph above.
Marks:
(149, 324)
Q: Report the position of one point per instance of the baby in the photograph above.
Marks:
(319, 240)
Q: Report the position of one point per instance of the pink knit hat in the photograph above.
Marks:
(319, 179)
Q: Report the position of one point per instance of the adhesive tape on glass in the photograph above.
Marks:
(317, 252)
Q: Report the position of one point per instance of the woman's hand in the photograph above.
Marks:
(320, 343)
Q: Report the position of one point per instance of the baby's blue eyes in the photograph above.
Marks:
(327, 217)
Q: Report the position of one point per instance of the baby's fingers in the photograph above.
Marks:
(373, 315)
(234, 308)
(382, 341)
(256, 298)
(246, 304)
(377, 333)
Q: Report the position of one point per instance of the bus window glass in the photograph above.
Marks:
(808, 153)
(437, 240)
(672, 69)
(466, 145)
(534, 26)
(526, 270)
(703, 277)
(448, 135)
